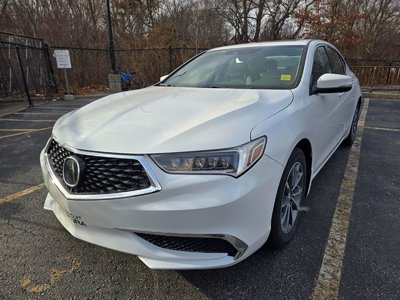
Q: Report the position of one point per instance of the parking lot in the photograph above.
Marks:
(358, 191)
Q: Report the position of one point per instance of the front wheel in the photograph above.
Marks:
(349, 140)
(291, 192)
(137, 82)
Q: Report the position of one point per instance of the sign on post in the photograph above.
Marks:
(63, 59)
(63, 62)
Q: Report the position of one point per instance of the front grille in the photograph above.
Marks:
(101, 175)
(190, 244)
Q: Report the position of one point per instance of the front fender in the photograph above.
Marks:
(284, 131)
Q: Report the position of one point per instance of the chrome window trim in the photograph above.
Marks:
(154, 184)
(237, 243)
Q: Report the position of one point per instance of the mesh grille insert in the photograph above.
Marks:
(101, 175)
(190, 244)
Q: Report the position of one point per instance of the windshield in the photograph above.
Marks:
(267, 67)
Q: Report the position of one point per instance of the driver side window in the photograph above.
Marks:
(321, 65)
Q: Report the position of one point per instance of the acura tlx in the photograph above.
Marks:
(200, 169)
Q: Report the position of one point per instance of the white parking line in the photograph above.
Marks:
(58, 107)
(25, 132)
(18, 129)
(21, 120)
(37, 113)
(382, 128)
(14, 111)
(328, 282)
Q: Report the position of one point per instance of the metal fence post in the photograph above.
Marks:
(26, 60)
(3, 81)
(41, 67)
(110, 37)
(10, 70)
(388, 73)
(50, 69)
(170, 53)
(26, 87)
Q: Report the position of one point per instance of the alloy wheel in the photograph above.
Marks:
(354, 123)
(292, 196)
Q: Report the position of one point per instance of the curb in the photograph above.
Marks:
(91, 96)
(373, 95)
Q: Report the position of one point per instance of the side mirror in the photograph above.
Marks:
(163, 77)
(333, 83)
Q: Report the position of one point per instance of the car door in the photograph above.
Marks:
(327, 122)
(346, 99)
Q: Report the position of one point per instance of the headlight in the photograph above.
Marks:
(232, 161)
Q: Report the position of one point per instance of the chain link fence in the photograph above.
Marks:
(90, 66)
(25, 67)
(374, 74)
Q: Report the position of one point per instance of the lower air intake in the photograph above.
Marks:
(190, 244)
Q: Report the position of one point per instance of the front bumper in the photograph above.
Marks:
(238, 209)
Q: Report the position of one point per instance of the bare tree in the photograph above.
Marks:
(360, 28)
(237, 14)
(380, 27)
(279, 12)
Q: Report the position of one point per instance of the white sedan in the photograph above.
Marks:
(199, 170)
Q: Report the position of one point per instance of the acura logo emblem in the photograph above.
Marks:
(72, 170)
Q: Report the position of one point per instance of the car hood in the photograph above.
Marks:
(169, 119)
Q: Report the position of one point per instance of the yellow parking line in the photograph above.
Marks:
(37, 113)
(328, 282)
(21, 120)
(11, 112)
(18, 129)
(19, 194)
(25, 132)
(54, 275)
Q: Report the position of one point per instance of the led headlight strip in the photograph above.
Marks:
(234, 161)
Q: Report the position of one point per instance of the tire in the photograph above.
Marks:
(349, 140)
(285, 216)
(137, 82)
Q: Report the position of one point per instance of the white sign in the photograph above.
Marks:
(63, 59)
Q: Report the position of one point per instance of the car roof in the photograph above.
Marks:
(264, 44)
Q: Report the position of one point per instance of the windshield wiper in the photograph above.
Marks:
(178, 75)
(164, 84)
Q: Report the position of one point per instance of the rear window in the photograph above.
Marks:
(337, 63)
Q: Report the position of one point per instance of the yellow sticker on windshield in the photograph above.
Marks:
(285, 77)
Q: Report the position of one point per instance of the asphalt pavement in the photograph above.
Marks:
(40, 259)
